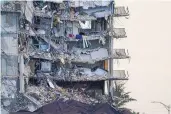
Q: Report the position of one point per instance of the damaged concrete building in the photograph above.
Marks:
(60, 49)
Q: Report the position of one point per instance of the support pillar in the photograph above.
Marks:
(111, 52)
(21, 68)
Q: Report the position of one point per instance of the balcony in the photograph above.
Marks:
(121, 11)
(120, 74)
(118, 33)
(120, 54)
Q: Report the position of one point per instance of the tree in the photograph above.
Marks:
(120, 97)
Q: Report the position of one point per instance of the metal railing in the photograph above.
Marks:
(119, 33)
(121, 11)
(120, 54)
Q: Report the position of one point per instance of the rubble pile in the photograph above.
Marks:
(46, 95)
(12, 100)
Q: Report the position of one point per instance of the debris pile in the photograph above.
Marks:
(45, 94)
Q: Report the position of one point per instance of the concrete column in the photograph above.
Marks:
(21, 68)
(111, 52)
(106, 86)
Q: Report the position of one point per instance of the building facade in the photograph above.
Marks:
(61, 41)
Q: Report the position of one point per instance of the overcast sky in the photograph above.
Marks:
(149, 44)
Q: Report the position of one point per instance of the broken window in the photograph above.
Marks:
(35, 42)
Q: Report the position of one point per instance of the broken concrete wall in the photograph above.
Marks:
(11, 100)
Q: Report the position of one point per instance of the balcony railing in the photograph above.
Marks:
(120, 54)
(119, 33)
(121, 74)
(121, 11)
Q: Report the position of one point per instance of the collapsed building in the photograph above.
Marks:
(60, 49)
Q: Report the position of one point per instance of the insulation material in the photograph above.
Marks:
(99, 54)
(46, 66)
